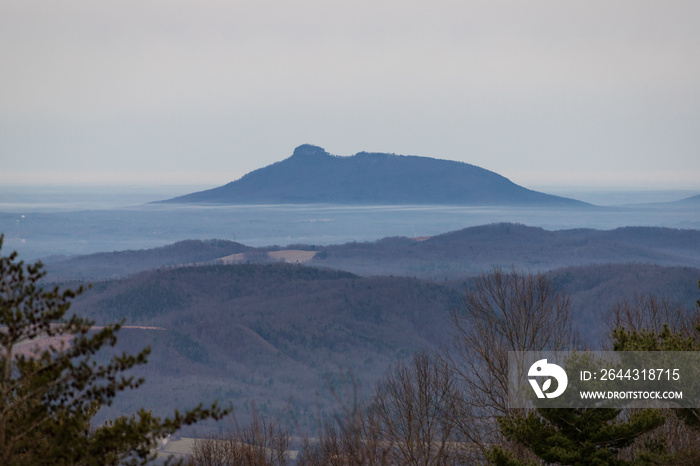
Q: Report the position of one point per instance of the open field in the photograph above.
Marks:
(294, 256)
(38, 345)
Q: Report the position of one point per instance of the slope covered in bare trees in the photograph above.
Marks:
(281, 333)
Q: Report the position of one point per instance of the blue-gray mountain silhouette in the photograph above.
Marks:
(312, 175)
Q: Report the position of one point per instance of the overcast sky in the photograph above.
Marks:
(547, 93)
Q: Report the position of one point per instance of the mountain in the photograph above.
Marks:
(686, 203)
(273, 333)
(281, 334)
(456, 254)
(116, 264)
(472, 250)
(690, 201)
(312, 175)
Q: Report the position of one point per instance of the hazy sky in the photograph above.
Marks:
(587, 93)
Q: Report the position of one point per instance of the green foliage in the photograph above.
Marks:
(581, 437)
(664, 340)
(625, 339)
(597, 435)
(49, 394)
(649, 340)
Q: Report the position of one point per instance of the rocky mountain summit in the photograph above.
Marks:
(312, 175)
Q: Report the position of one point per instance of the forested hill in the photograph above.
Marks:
(273, 333)
(472, 250)
(280, 334)
(455, 254)
(312, 175)
(103, 265)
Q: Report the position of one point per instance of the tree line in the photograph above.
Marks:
(451, 407)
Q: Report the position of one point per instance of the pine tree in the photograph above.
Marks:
(48, 396)
(595, 436)
(580, 437)
(664, 340)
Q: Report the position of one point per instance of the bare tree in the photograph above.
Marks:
(352, 437)
(649, 313)
(409, 420)
(262, 443)
(415, 405)
(504, 311)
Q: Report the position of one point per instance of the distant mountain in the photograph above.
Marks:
(451, 255)
(312, 175)
(684, 203)
(116, 264)
(692, 200)
(472, 250)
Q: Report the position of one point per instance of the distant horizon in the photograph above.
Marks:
(205, 181)
(19, 197)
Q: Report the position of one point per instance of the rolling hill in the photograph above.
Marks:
(281, 334)
(273, 333)
(312, 175)
(450, 255)
(690, 201)
(471, 250)
(103, 265)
